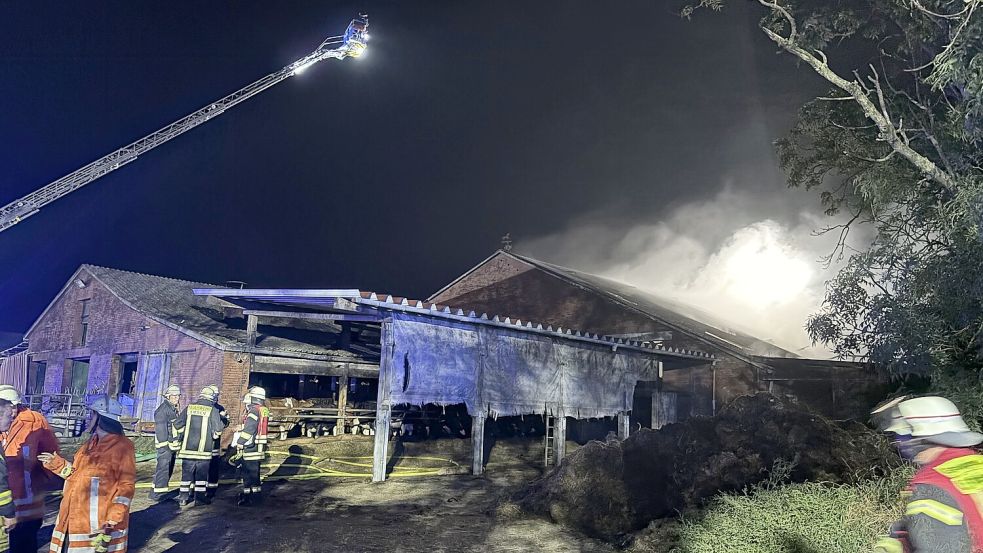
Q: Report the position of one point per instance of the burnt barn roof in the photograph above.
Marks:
(677, 315)
(173, 303)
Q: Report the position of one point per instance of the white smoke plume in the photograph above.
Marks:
(752, 261)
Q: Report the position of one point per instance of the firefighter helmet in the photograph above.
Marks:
(937, 420)
(107, 407)
(208, 393)
(889, 418)
(172, 391)
(9, 393)
(255, 393)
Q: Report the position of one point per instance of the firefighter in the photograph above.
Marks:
(213, 468)
(166, 446)
(7, 512)
(197, 427)
(250, 443)
(942, 512)
(99, 485)
(29, 435)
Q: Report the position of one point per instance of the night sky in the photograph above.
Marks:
(394, 172)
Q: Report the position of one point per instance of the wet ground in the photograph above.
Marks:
(415, 510)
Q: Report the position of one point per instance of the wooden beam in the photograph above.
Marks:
(560, 441)
(478, 443)
(251, 322)
(352, 317)
(380, 454)
(288, 365)
(623, 425)
(299, 355)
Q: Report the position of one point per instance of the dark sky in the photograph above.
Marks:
(394, 172)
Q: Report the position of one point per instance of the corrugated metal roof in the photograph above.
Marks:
(375, 300)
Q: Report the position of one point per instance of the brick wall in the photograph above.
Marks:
(115, 329)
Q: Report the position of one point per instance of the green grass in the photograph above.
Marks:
(796, 518)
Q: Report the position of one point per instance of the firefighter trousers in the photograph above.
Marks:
(24, 537)
(250, 476)
(213, 469)
(194, 477)
(164, 470)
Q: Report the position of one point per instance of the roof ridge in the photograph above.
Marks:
(573, 277)
(92, 265)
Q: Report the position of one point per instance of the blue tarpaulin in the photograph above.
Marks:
(504, 372)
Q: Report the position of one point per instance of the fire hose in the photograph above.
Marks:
(315, 471)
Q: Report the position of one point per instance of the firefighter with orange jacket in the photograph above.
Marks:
(99, 485)
(29, 435)
(250, 442)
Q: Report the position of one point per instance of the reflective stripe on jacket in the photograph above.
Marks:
(253, 436)
(99, 486)
(6, 496)
(943, 511)
(198, 425)
(164, 417)
(29, 435)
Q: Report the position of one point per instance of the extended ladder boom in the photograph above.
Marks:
(351, 44)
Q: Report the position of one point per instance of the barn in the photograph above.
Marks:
(530, 288)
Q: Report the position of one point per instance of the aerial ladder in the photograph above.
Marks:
(349, 45)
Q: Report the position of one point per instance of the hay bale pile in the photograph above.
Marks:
(609, 488)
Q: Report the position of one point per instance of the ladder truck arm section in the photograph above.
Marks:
(349, 45)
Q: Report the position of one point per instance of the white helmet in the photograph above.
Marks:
(890, 419)
(937, 420)
(9, 393)
(255, 393)
(208, 393)
(107, 407)
(172, 390)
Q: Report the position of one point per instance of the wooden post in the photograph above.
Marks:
(384, 409)
(623, 425)
(342, 402)
(560, 440)
(251, 322)
(478, 443)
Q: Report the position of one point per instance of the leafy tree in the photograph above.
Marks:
(896, 146)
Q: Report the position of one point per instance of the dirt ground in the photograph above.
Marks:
(438, 513)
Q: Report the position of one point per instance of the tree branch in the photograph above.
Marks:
(887, 129)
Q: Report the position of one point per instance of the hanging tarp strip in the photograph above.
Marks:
(509, 372)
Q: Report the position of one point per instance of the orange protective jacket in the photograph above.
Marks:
(99, 486)
(29, 435)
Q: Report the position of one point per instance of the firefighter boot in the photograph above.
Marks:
(243, 499)
(201, 498)
(184, 499)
